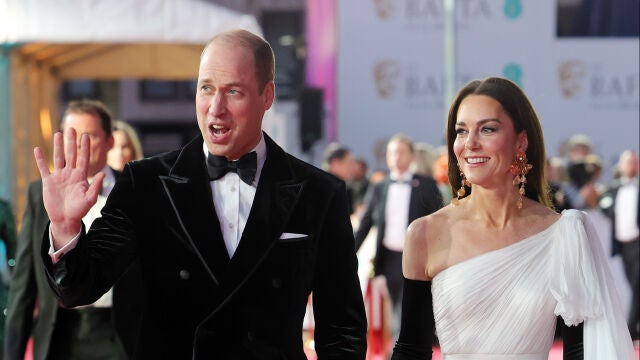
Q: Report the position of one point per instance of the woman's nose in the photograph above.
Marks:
(472, 141)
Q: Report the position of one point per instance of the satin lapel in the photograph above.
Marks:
(416, 205)
(188, 191)
(383, 202)
(276, 196)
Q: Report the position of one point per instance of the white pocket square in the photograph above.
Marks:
(287, 235)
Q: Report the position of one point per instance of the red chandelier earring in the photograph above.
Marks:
(462, 191)
(519, 169)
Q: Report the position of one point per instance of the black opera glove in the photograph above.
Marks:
(417, 326)
(572, 342)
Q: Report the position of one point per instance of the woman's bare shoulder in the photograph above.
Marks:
(435, 219)
(423, 233)
(539, 216)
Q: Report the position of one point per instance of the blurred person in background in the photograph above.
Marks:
(584, 175)
(7, 261)
(391, 205)
(441, 176)
(620, 203)
(556, 176)
(338, 161)
(577, 147)
(424, 159)
(107, 328)
(359, 184)
(580, 189)
(126, 146)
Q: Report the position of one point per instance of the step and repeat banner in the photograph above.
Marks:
(391, 69)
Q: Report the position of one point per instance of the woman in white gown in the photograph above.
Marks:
(494, 268)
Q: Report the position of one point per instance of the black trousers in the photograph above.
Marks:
(391, 267)
(631, 259)
(85, 333)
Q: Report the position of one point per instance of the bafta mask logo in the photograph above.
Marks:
(570, 74)
(384, 8)
(386, 74)
(513, 9)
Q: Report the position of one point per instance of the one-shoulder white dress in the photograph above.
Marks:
(503, 304)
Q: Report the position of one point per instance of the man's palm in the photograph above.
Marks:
(67, 195)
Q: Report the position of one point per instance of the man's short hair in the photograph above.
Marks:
(334, 151)
(93, 107)
(263, 56)
(405, 140)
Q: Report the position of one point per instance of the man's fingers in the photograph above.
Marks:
(41, 162)
(96, 187)
(70, 149)
(58, 151)
(83, 156)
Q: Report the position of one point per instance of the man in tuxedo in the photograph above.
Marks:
(231, 232)
(620, 203)
(338, 161)
(61, 332)
(391, 205)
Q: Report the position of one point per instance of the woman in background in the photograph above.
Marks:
(126, 146)
(495, 267)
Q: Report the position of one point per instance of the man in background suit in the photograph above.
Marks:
(59, 332)
(338, 161)
(620, 203)
(7, 258)
(391, 205)
(231, 232)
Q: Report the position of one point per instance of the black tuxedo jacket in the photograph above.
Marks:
(30, 289)
(199, 303)
(607, 204)
(425, 199)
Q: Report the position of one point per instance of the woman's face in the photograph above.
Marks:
(122, 151)
(486, 141)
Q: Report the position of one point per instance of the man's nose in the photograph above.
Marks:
(217, 105)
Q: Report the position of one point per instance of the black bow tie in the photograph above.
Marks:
(399, 181)
(245, 167)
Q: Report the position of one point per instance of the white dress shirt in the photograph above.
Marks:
(626, 210)
(396, 212)
(232, 199)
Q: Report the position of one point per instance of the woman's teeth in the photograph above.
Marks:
(477, 160)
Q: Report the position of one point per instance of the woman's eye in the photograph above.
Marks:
(488, 129)
(460, 131)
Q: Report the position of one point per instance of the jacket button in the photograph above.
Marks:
(276, 283)
(184, 274)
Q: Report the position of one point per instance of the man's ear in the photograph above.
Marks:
(110, 141)
(269, 93)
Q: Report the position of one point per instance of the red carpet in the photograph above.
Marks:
(554, 354)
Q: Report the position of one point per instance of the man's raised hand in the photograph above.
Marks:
(66, 193)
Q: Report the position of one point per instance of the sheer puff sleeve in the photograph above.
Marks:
(581, 283)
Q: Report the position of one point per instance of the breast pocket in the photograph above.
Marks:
(292, 259)
(288, 237)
